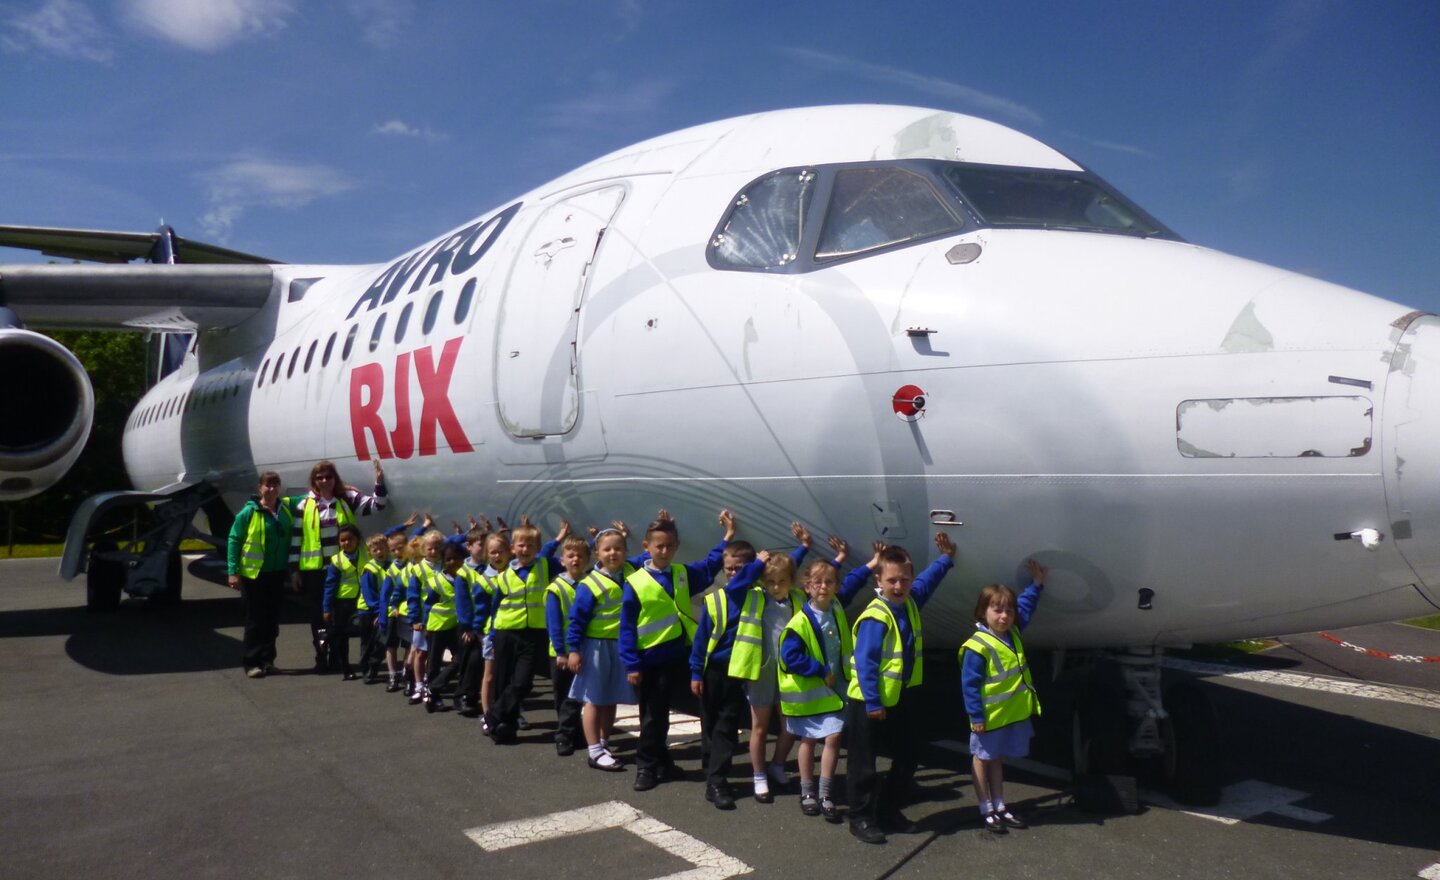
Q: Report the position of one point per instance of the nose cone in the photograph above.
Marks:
(1412, 449)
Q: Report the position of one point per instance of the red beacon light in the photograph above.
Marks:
(909, 402)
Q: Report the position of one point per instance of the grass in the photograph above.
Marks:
(1431, 622)
(42, 551)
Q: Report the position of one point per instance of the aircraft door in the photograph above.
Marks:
(535, 345)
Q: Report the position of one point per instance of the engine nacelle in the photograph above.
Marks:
(46, 409)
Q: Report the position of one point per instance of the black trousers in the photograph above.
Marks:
(260, 599)
(437, 670)
(656, 693)
(372, 646)
(567, 711)
(897, 736)
(722, 711)
(341, 612)
(472, 668)
(517, 651)
(312, 592)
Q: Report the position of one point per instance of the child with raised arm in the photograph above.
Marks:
(722, 696)
(768, 607)
(999, 695)
(474, 628)
(487, 582)
(559, 599)
(518, 621)
(593, 639)
(418, 655)
(656, 625)
(369, 610)
(815, 655)
(889, 660)
(436, 589)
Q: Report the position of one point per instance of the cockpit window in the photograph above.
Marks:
(765, 223)
(1047, 200)
(874, 207)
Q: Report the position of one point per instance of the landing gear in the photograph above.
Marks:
(104, 579)
(149, 565)
(1124, 725)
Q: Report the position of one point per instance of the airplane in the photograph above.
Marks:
(882, 321)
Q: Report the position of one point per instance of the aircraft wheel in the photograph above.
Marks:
(1100, 752)
(173, 579)
(104, 580)
(1190, 767)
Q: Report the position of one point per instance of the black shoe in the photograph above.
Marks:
(1011, 820)
(645, 780)
(669, 773)
(564, 747)
(830, 811)
(810, 805)
(349, 676)
(866, 831)
(432, 703)
(764, 797)
(371, 678)
(994, 824)
(521, 723)
(394, 686)
(613, 767)
(896, 822)
(467, 707)
(502, 734)
(720, 796)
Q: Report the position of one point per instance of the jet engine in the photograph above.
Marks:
(46, 409)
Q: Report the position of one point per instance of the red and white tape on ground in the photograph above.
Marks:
(1383, 655)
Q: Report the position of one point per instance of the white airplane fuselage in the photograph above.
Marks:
(1137, 413)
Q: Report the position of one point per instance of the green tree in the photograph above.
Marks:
(116, 364)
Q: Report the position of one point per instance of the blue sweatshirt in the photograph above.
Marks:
(584, 610)
(972, 664)
(796, 656)
(870, 634)
(555, 621)
(700, 574)
(369, 588)
(735, 592)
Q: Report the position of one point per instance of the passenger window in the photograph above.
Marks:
(260, 376)
(349, 342)
(294, 359)
(329, 347)
(462, 305)
(874, 207)
(275, 374)
(765, 223)
(375, 334)
(432, 310)
(310, 355)
(402, 322)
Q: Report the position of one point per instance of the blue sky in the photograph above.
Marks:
(1301, 134)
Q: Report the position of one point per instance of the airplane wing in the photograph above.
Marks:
(171, 298)
(104, 246)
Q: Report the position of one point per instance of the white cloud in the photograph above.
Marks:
(208, 25)
(382, 20)
(247, 183)
(58, 27)
(398, 128)
(929, 85)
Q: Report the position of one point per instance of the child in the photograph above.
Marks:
(889, 646)
(497, 555)
(559, 598)
(656, 625)
(439, 588)
(768, 608)
(474, 627)
(369, 609)
(999, 696)
(340, 598)
(396, 621)
(815, 655)
(419, 653)
(518, 620)
(722, 696)
(594, 658)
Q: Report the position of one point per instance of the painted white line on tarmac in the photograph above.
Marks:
(683, 728)
(710, 863)
(1430, 873)
(1364, 689)
(1244, 801)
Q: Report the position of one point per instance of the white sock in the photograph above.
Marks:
(596, 751)
(999, 805)
(762, 785)
(986, 808)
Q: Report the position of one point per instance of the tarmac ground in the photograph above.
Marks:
(135, 747)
